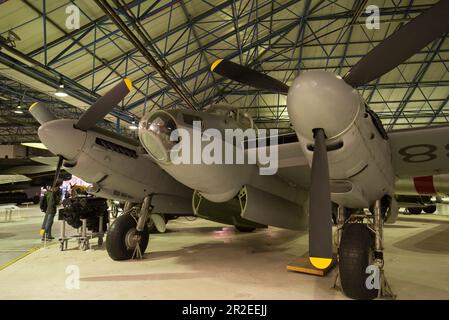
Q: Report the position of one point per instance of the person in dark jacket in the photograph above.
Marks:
(53, 200)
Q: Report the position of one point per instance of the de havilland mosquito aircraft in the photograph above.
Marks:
(354, 162)
(116, 167)
(119, 169)
(339, 153)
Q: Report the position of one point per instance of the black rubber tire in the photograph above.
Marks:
(357, 243)
(116, 242)
(152, 229)
(430, 209)
(245, 229)
(415, 210)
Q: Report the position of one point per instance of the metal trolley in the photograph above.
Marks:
(89, 215)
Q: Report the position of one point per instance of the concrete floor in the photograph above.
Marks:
(21, 234)
(205, 260)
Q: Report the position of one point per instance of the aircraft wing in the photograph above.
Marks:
(29, 170)
(26, 167)
(12, 178)
(420, 151)
(51, 161)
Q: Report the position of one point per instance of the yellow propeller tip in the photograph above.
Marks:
(34, 104)
(215, 64)
(320, 263)
(129, 84)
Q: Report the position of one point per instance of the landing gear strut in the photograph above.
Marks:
(359, 239)
(128, 236)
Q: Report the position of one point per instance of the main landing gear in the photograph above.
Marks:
(359, 240)
(128, 236)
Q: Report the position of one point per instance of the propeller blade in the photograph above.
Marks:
(401, 45)
(248, 76)
(40, 112)
(57, 172)
(104, 105)
(320, 211)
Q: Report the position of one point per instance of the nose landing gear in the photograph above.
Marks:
(359, 240)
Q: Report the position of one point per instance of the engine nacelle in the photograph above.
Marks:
(118, 170)
(358, 153)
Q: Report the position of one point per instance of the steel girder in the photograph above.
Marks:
(258, 33)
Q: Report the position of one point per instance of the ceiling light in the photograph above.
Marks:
(60, 92)
(133, 126)
(18, 111)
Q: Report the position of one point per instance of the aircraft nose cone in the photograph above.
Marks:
(320, 99)
(61, 138)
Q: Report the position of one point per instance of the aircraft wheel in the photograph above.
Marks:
(245, 229)
(121, 238)
(430, 209)
(415, 210)
(355, 255)
(152, 228)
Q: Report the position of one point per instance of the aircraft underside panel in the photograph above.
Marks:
(267, 208)
(171, 204)
(253, 207)
(225, 212)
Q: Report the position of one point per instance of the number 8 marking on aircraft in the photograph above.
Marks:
(429, 153)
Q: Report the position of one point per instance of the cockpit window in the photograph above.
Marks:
(156, 135)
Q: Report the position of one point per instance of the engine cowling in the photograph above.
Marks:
(359, 156)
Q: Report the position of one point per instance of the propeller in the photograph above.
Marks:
(57, 172)
(393, 51)
(390, 53)
(401, 45)
(104, 105)
(248, 76)
(41, 113)
(320, 210)
(91, 116)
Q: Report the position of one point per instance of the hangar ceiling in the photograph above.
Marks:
(183, 37)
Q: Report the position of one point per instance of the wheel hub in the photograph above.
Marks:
(132, 238)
